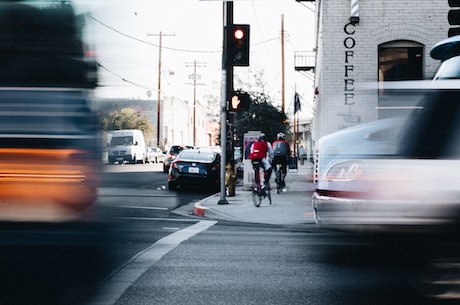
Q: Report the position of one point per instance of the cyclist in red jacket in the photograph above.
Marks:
(259, 151)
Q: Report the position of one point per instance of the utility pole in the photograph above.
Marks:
(160, 35)
(194, 77)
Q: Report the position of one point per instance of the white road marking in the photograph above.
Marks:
(156, 219)
(171, 228)
(119, 281)
(142, 207)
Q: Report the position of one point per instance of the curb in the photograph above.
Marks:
(202, 211)
(199, 210)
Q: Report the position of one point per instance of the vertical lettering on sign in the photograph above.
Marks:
(349, 43)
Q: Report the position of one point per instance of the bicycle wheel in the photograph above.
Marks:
(256, 199)
(279, 188)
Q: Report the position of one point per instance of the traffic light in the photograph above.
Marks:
(238, 45)
(454, 18)
(240, 101)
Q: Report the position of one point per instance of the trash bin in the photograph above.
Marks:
(292, 162)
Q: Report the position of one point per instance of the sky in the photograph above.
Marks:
(125, 34)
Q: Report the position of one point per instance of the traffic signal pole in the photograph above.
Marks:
(226, 67)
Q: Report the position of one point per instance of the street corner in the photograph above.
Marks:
(199, 210)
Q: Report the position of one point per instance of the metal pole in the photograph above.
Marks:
(227, 10)
(159, 92)
(194, 103)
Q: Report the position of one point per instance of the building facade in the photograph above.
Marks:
(369, 41)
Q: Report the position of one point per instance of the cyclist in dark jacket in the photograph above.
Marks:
(281, 153)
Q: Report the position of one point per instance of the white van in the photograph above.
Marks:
(127, 145)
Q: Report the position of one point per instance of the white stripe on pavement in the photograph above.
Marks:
(119, 281)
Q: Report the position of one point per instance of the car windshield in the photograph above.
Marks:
(126, 140)
(197, 155)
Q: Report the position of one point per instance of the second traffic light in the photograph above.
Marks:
(240, 101)
(238, 45)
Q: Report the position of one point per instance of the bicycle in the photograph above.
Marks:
(258, 191)
(279, 178)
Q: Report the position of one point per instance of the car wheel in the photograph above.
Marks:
(165, 170)
(172, 186)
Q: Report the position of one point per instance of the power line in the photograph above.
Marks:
(123, 78)
(153, 45)
(148, 42)
(166, 47)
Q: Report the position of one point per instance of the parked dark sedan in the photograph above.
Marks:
(195, 168)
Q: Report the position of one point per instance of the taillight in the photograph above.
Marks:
(348, 170)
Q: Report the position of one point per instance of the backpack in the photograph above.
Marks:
(280, 148)
(259, 150)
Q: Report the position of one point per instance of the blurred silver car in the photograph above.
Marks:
(415, 189)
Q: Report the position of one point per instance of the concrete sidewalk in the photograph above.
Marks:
(292, 207)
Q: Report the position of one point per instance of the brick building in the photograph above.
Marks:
(362, 42)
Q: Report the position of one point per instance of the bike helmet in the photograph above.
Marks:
(280, 136)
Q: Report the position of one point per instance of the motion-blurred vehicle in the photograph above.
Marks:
(415, 188)
(50, 150)
(195, 168)
(127, 145)
(50, 156)
(155, 155)
(171, 154)
(377, 138)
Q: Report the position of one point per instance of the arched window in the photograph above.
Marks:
(400, 60)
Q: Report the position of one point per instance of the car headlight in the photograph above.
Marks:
(348, 170)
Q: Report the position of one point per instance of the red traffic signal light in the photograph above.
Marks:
(238, 34)
(238, 45)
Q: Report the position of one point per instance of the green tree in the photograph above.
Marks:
(262, 116)
(127, 118)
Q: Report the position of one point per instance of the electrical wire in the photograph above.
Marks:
(122, 78)
(148, 42)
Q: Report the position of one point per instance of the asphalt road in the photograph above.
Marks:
(162, 258)
(146, 254)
